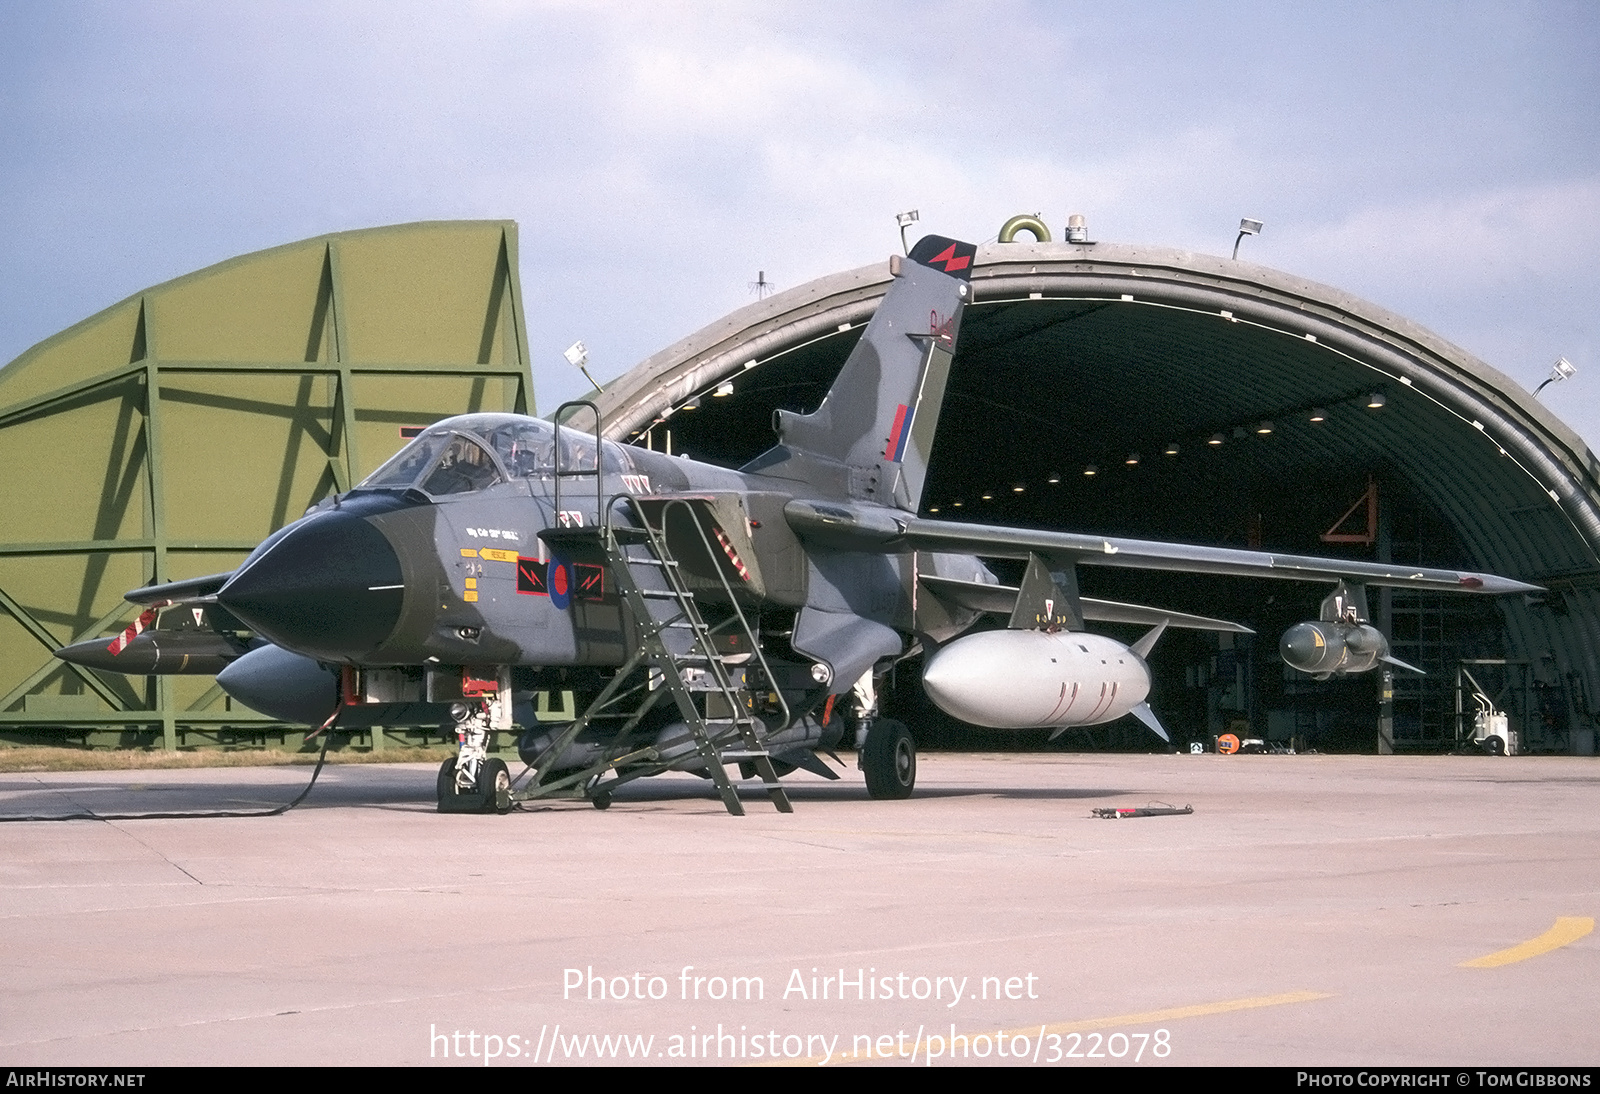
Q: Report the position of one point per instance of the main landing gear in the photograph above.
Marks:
(889, 760)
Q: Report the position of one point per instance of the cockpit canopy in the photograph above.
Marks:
(474, 451)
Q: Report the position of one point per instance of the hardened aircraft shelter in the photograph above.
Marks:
(164, 437)
(1140, 391)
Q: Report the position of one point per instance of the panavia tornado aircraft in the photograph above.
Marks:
(700, 616)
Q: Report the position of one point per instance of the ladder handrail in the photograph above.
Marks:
(601, 515)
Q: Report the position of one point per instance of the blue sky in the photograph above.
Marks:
(1441, 160)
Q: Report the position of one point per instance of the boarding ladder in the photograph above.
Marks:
(668, 641)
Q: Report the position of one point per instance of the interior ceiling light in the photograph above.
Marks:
(1055, 477)
(956, 504)
(1171, 449)
(988, 497)
(1376, 400)
(1264, 428)
(1132, 460)
(1318, 414)
(1018, 488)
(1216, 440)
(1090, 470)
(692, 404)
(724, 389)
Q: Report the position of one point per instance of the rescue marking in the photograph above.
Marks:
(1567, 930)
(496, 554)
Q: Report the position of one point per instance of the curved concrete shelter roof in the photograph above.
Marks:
(1080, 355)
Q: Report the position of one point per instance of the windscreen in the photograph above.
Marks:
(438, 464)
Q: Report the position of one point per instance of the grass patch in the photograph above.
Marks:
(46, 758)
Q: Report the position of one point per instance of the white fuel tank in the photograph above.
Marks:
(1030, 679)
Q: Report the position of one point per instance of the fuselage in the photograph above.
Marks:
(437, 557)
(437, 560)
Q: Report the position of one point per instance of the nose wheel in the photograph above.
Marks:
(490, 793)
(889, 760)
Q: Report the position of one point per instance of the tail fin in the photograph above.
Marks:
(879, 417)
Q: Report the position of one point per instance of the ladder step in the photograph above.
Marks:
(663, 594)
(746, 755)
(665, 563)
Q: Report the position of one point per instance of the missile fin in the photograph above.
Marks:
(808, 760)
(1148, 717)
(1147, 643)
(1389, 659)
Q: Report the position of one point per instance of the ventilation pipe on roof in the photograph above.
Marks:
(1024, 222)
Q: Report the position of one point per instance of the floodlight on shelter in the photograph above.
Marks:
(577, 356)
(1563, 369)
(1247, 227)
(906, 220)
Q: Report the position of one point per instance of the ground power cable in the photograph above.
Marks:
(273, 812)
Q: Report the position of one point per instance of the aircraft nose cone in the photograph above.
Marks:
(1302, 646)
(329, 587)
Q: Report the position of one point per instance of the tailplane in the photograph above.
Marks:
(872, 436)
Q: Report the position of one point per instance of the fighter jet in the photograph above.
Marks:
(699, 617)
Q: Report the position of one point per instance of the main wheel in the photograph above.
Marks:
(889, 760)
